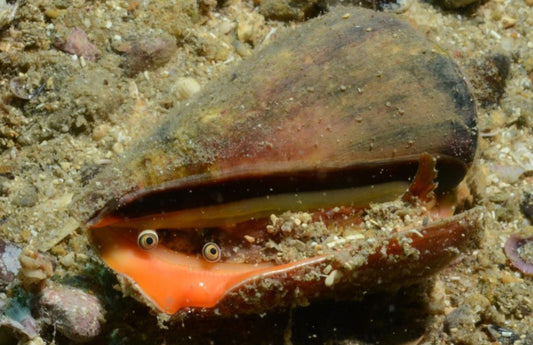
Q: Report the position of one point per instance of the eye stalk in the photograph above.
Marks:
(147, 239)
(211, 252)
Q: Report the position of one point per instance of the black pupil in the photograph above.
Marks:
(213, 251)
(149, 240)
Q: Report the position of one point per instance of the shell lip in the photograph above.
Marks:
(172, 281)
(437, 243)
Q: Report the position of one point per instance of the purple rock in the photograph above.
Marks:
(75, 313)
(77, 43)
(9, 262)
(513, 248)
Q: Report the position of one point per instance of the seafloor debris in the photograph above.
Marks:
(284, 10)
(527, 206)
(15, 317)
(9, 263)
(35, 267)
(7, 12)
(77, 43)
(519, 250)
(21, 88)
(456, 4)
(146, 53)
(75, 313)
(502, 335)
(490, 77)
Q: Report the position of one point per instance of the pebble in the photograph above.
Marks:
(77, 43)
(35, 267)
(463, 318)
(284, 10)
(506, 173)
(490, 74)
(19, 88)
(508, 22)
(9, 263)
(68, 260)
(185, 87)
(502, 335)
(241, 48)
(26, 196)
(7, 12)
(4, 189)
(147, 53)
(456, 4)
(519, 251)
(526, 206)
(333, 278)
(75, 313)
(100, 132)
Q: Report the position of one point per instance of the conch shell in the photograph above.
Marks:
(330, 119)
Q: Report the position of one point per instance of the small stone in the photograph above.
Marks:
(9, 263)
(462, 317)
(7, 12)
(68, 259)
(245, 31)
(118, 148)
(489, 79)
(508, 22)
(249, 238)
(455, 4)
(35, 267)
(77, 43)
(241, 48)
(75, 313)
(506, 173)
(502, 335)
(185, 87)
(36, 341)
(19, 88)
(333, 278)
(100, 132)
(147, 53)
(285, 10)
(26, 196)
(225, 27)
(526, 206)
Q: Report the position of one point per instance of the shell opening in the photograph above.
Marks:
(232, 213)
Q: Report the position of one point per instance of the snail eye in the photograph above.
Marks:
(211, 252)
(147, 239)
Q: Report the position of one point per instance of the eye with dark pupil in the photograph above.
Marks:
(147, 239)
(211, 252)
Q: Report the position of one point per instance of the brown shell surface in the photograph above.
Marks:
(353, 97)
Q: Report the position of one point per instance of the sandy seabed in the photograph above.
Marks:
(63, 117)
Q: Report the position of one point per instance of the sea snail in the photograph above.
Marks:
(332, 118)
